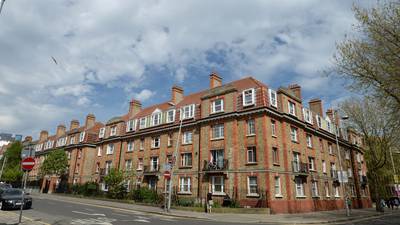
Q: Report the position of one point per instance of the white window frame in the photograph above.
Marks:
(185, 185)
(128, 162)
(82, 136)
(319, 121)
(186, 139)
(273, 98)
(71, 141)
(330, 148)
(140, 164)
(108, 167)
(251, 150)
(311, 163)
(157, 165)
(291, 108)
(337, 192)
(99, 151)
(309, 140)
(169, 119)
(187, 112)
(217, 131)
(327, 193)
(141, 144)
(293, 134)
(185, 159)
(222, 184)
(113, 130)
(102, 131)
(143, 123)
(130, 146)
(278, 189)
(251, 92)
(249, 186)
(156, 119)
(314, 188)
(307, 116)
(214, 105)
(299, 185)
(130, 125)
(110, 149)
(170, 140)
(323, 166)
(273, 128)
(156, 142)
(251, 127)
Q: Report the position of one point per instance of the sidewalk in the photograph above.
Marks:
(301, 218)
(11, 217)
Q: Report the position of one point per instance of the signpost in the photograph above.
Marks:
(27, 165)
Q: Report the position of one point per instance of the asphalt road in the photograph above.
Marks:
(58, 212)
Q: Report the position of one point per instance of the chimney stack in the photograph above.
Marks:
(60, 130)
(215, 80)
(90, 120)
(134, 107)
(177, 94)
(335, 119)
(316, 106)
(43, 135)
(296, 89)
(74, 124)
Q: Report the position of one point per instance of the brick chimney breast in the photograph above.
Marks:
(296, 89)
(44, 134)
(60, 130)
(134, 107)
(74, 124)
(316, 106)
(90, 120)
(215, 80)
(176, 94)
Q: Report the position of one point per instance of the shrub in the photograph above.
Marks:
(186, 202)
(145, 195)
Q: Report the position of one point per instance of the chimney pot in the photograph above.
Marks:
(43, 135)
(215, 80)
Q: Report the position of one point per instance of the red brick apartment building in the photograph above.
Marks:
(261, 147)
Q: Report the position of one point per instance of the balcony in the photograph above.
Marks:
(299, 168)
(335, 176)
(151, 170)
(215, 166)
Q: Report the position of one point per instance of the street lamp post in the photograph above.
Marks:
(340, 163)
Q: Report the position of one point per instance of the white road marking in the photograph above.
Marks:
(141, 220)
(94, 221)
(118, 214)
(89, 214)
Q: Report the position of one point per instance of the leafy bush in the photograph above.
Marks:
(145, 195)
(186, 202)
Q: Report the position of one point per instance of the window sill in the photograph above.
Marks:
(185, 167)
(129, 151)
(301, 196)
(255, 195)
(218, 112)
(278, 196)
(276, 164)
(152, 148)
(139, 169)
(317, 196)
(219, 194)
(310, 147)
(217, 139)
(248, 105)
(186, 143)
(251, 163)
(295, 141)
(184, 193)
(274, 136)
(109, 153)
(250, 135)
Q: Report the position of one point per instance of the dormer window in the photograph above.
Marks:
(248, 97)
(171, 116)
(187, 112)
(319, 121)
(217, 106)
(130, 125)
(81, 136)
(101, 132)
(307, 116)
(72, 140)
(272, 98)
(142, 123)
(113, 131)
(156, 118)
(292, 108)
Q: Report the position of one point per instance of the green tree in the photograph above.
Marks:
(115, 181)
(56, 163)
(12, 170)
(370, 58)
(380, 129)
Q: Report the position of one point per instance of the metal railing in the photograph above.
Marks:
(300, 167)
(151, 169)
(218, 165)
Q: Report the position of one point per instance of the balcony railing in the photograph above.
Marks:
(218, 165)
(334, 174)
(300, 168)
(151, 169)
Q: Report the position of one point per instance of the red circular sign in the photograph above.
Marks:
(28, 163)
(167, 175)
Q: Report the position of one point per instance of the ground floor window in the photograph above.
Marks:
(152, 183)
(278, 191)
(217, 184)
(104, 187)
(314, 188)
(252, 186)
(299, 187)
(336, 190)
(184, 184)
(327, 189)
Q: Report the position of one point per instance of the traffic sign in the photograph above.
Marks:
(167, 175)
(28, 163)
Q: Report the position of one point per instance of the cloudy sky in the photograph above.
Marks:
(62, 59)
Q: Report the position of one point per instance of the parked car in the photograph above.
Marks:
(5, 186)
(11, 198)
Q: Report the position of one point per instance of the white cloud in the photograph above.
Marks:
(144, 95)
(113, 43)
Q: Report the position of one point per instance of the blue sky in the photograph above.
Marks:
(108, 52)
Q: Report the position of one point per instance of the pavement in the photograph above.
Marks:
(62, 210)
